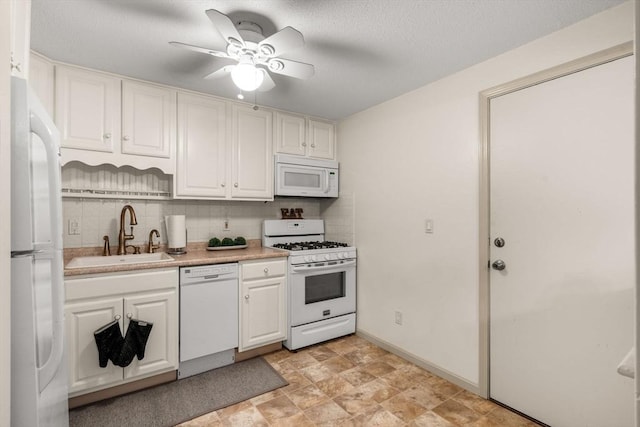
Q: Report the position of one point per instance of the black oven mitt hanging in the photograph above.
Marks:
(121, 351)
(135, 342)
(109, 341)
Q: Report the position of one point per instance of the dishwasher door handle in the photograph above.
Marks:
(206, 279)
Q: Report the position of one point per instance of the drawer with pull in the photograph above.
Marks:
(262, 269)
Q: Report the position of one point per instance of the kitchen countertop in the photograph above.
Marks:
(197, 254)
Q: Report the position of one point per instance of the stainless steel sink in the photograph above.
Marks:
(105, 261)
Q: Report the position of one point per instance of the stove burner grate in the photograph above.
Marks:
(306, 246)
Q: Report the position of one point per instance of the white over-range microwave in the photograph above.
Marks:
(303, 177)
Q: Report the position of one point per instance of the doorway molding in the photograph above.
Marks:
(593, 60)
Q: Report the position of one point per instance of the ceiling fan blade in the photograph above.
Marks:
(225, 27)
(290, 68)
(200, 49)
(267, 83)
(222, 72)
(283, 41)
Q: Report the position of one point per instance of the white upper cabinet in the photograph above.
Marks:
(304, 136)
(87, 110)
(41, 80)
(252, 153)
(148, 119)
(201, 152)
(104, 119)
(224, 150)
(291, 134)
(322, 140)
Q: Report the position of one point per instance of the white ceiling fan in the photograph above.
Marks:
(256, 55)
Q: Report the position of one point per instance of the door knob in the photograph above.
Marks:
(499, 242)
(498, 265)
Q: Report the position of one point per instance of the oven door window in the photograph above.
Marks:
(324, 287)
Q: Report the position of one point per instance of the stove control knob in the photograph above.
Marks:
(307, 259)
(327, 257)
(345, 255)
(314, 258)
(340, 255)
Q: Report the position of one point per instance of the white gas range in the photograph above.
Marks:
(322, 281)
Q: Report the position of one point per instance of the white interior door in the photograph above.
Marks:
(561, 195)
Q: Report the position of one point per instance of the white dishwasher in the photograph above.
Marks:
(208, 317)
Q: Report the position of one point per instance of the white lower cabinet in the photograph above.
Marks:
(263, 303)
(95, 300)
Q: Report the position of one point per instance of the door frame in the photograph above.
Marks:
(616, 52)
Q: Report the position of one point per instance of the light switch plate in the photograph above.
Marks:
(428, 226)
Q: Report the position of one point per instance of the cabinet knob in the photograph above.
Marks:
(266, 271)
(117, 317)
(246, 297)
(125, 138)
(304, 144)
(313, 145)
(129, 315)
(235, 185)
(222, 185)
(107, 136)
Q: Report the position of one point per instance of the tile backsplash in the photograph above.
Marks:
(96, 218)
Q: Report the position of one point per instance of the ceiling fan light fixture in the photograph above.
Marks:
(275, 65)
(247, 77)
(235, 42)
(267, 50)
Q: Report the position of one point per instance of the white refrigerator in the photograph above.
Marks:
(38, 363)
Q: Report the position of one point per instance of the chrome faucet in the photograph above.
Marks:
(151, 246)
(122, 236)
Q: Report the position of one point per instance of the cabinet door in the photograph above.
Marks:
(148, 119)
(161, 352)
(201, 168)
(252, 153)
(41, 80)
(263, 312)
(81, 320)
(321, 139)
(290, 134)
(87, 109)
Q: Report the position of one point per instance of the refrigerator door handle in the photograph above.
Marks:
(25, 254)
(50, 136)
(48, 369)
(42, 126)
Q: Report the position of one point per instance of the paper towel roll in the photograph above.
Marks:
(176, 233)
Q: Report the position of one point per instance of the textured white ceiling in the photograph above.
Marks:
(364, 51)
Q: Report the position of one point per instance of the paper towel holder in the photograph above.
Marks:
(179, 246)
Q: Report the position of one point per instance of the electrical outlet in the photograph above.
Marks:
(226, 225)
(74, 226)
(398, 318)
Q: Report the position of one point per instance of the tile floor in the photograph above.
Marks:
(351, 382)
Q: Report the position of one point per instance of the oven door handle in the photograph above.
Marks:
(325, 266)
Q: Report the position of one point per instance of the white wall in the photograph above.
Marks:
(416, 157)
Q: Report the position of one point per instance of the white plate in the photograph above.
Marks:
(224, 248)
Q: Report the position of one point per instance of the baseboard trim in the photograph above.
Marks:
(118, 390)
(436, 370)
(255, 352)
